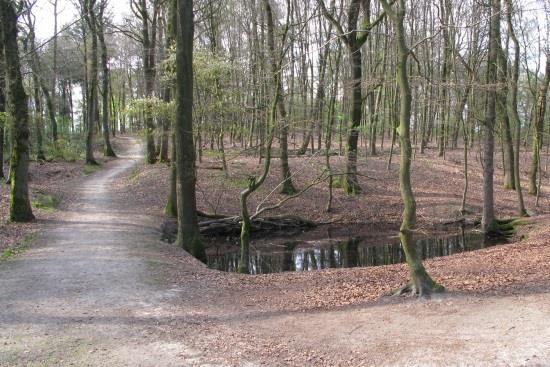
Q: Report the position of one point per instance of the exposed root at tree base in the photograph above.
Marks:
(424, 290)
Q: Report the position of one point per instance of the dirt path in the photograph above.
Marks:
(87, 293)
(99, 289)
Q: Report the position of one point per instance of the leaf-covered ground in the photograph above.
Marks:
(438, 185)
(239, 313)
(494, 312)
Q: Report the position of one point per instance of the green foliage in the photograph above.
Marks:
(66, 150)
(339, 181)
(155, 108)
(150, 107)
(213, 75)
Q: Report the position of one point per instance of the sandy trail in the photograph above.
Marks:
(99, 289)
(87, 293)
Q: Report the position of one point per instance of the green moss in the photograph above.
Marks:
(135, 174)
(233, 182)
(45, 201)
(88, 169)
(521, 221)
(338, 182)
(19, 249)
(210, 153)
(8, 253)
(509, 227)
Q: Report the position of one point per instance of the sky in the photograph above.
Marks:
(67, 13)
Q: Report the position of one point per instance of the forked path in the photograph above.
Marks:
(87, 293)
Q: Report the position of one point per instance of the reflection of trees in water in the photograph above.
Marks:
(350, 253)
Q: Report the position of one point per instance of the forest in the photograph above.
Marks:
(180, 178)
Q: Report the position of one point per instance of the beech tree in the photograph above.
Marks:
(420, 283)
(20, 206)
(489, 219)
(147, 11)
(3, 119)
(108, 149)
(92, 100)
(188, 230)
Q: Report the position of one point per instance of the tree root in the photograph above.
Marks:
(422, 290)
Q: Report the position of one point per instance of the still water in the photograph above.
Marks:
(343, 253)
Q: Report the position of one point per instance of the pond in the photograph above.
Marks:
(361, 251)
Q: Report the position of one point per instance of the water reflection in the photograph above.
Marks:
(354, 252)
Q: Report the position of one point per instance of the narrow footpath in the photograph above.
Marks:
(86, 294)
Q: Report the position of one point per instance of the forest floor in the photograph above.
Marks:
(98, 288)
(438, 186)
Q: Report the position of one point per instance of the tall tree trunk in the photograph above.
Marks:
(148, 39)
(20, 206)
(354, 38)
(513, 108)
(53, 107)
(286, 187)
(188, 230)
(502, 113)
(489, 221)
(420, 283)
(92, 93)
(355, 59)
(3, 119)
(38, 119)
(445, 7)
(108, 150)
(540, 112)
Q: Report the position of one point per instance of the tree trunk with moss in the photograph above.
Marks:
(20, 206)
(108, 149)
(253, 185)
(3, 119)
(420, 283)
(540, 112)
(188, 228)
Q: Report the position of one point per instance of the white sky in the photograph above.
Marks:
(67, 13)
